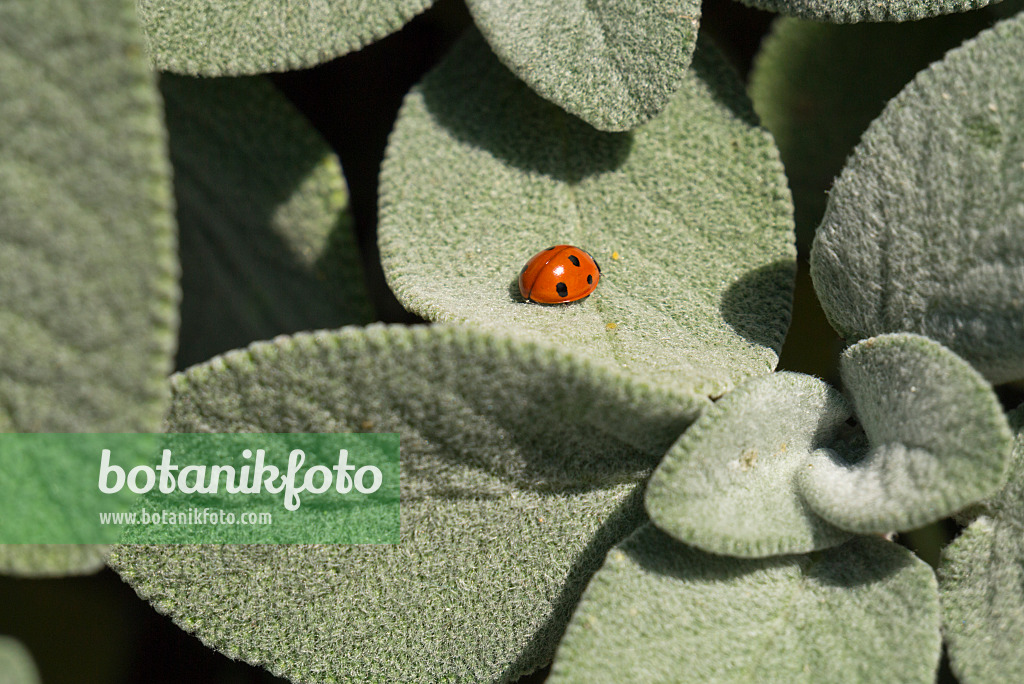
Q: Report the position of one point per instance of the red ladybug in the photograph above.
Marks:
(558, 275)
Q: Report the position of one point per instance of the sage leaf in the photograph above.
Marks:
(266, 235)
(980, 582)
(688, 215)
(817, 109)
(923, 228)
(658, 611)
(16, 662)
(236, 38)
(87, 240)
(853, 11)
(614, 64)
(728, 485)
(520, 468)
(936, 434)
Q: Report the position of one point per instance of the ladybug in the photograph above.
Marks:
(558, 275)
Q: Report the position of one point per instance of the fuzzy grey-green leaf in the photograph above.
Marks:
(16, 663)
(937, 438)
(817, 109)
(613, 63)
(661, 612)
(240, 37)
(923, 231)
(853, 11)
(87, 244)
(688, 216)
(728, 485)
(980, 580)
(266, 236)
(86, 236)
(520, 468)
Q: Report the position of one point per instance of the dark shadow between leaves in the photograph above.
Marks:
(241, 280)
(482, 104)
(541, 648)
(752, 306)
(860, 562)
(724, 83)
(658, 552)
(857, 563)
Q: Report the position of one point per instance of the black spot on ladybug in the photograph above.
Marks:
(550, 248)
(590, 280)
(523, 271)
(562, 290)
(574, 260)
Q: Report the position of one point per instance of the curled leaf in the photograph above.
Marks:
(937, 439)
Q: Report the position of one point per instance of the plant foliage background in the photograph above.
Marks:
(782, 441)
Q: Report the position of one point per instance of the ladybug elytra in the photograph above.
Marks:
(558, 275)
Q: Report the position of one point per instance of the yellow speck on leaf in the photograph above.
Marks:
(748, 459)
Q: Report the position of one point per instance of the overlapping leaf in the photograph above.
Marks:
(775, 467)
(852, 11)
(659, 611)
(817, 109)
(87, 266)
(266, 236)
(937, 438)
(923, 229)
(727, 484)
(615, 64)
(981, 577)
(519, 470)
(689, 217)
(234, 38)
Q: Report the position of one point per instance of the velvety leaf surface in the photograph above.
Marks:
(937, 436)
(852, 11)
(689, 217)
(660, 611)
(923, 229)
(237, 37)
(16, 664)
(980, 578)
(817, 109)
(519, 470)
(87, 243)
(613, 63)
(266, 236)
(728, 485)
